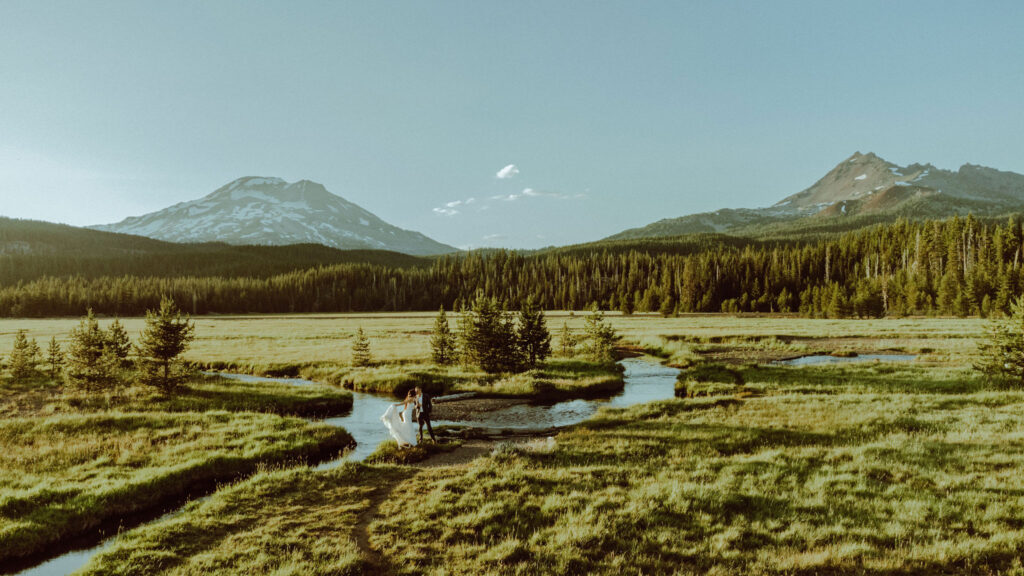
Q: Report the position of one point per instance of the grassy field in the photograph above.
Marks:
(43, 396)
(292, 521)
(870, 468)
(266, 341)
(62, 475)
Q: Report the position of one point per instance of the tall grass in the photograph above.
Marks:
(63, 475)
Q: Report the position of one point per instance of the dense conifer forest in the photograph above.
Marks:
(959, 266)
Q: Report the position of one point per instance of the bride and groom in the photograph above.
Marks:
(401, 419)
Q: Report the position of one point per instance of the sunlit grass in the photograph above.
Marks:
(63, 474)
(847, 483)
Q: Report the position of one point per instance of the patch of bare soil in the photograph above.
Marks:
(470, 408)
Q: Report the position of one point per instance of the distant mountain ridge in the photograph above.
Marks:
(864, 186)
(30, 250)
(269, 211)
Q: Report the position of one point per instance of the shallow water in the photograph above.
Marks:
(645, 381)
(826, 359)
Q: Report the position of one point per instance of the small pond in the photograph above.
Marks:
(816, 359)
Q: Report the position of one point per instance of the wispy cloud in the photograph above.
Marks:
(507, 172)
(491, 237)
(446, 211)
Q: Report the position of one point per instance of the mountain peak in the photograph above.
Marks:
(271, 211)
(864, 184)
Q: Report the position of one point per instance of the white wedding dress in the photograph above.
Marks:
(403, 432)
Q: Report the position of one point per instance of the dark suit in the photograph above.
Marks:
(426, 408)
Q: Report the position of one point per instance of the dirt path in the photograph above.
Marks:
(469, 451)
(374, 561)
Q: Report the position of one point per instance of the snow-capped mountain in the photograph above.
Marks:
(270, 211)
(863, 185)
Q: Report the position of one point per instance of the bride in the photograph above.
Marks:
(402, 424)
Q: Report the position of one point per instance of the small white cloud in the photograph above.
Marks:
(470, 200)
(507, 172)
(446, 211)
(495, 237)
(453, 203)
(530, 192)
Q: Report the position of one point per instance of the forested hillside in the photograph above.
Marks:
(30, 250)
(960, 266)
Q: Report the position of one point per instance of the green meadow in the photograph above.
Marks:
(757, 468)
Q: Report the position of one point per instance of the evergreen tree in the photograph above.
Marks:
(24, 356)
(90, 365)
(601, 337)
(54, 358)
(119, 343)
(534, 338)
(493, 338)
(166, 336)
(568, 341)
(465, 337)
(1002, 352)
(361, 356)
(442, 341)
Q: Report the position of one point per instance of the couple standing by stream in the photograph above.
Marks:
(401, 419)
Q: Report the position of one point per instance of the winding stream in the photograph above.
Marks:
(646, 380)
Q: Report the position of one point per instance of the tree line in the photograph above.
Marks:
(958, 266)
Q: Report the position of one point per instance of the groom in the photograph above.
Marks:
(426, 407)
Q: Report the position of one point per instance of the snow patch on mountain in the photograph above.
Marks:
(271, 211)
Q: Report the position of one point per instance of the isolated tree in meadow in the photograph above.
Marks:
(24, 356)
(567, 341)
(600, 337)
(90, 364)
(54, 358)
(1002, 352)
(119, 343)
(534, 338)
(164, 339)
(492, 337)
(442, 341)
(361, 349)
(464, 337)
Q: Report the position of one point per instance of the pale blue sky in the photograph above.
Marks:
(616, 114)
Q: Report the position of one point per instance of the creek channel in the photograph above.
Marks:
(646, 380)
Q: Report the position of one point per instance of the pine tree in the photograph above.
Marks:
(361, 349)
(1002, 352)
(492, 337)
(465, 337)
(54, 358)
(534, 338)
(90, 365)
(442, 341)
(161, 344)
(568, 341)
(119, 343)
(24, 356)
(600, 337)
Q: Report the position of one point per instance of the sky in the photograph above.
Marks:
(517, 124)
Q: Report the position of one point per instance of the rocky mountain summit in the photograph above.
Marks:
(864, 185)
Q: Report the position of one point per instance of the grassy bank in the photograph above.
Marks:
(389, 452)
(43, 396)
(63, 475)
(794, 484)
(293, 521)
(557, 378)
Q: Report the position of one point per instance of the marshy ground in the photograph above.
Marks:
(868, 468)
